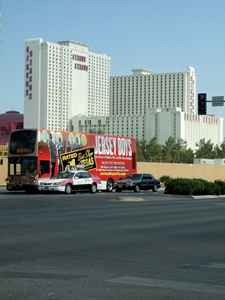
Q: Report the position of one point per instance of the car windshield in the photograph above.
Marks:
(64, 175)
(133, 176)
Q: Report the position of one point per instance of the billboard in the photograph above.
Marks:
(84, 157)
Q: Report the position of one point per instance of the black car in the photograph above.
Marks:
(137, 182)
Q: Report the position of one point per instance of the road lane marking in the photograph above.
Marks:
(131, 199)
(168, 284)
(204, 264)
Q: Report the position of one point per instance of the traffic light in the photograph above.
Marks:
(202, 108)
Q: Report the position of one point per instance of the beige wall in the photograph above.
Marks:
(207, 172)
(3, 170)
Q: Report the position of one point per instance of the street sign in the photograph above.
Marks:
(218, 101)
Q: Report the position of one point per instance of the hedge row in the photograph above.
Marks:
(196, 186)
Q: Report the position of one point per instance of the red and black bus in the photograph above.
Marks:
(34, 154)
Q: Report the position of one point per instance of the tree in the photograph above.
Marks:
(205, 149)
(220, 150)
(144, 149)
(140, 156)
(99, 131)
(154, 150)
(91, 131)
(169, 150)
(187, 156)
(181, 147)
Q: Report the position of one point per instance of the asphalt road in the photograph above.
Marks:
(107, 246)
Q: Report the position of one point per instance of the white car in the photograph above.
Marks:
(69, 182)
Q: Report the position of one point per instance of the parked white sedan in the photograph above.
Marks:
(69, 182)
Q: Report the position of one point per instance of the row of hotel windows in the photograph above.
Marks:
(139, 83)
(128, 122)
(153, 78)
(115, 133)
(138, 87)
(147, 93)
(92, 64)
(93, 58)
(145, 77)
(144, 83)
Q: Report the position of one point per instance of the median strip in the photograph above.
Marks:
(168, 284)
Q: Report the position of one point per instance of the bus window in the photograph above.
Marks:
(23, 166)
(11, 169)
(133, 161)
(18, 168)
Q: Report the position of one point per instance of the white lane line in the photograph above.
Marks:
(168, 284)
(203, 264)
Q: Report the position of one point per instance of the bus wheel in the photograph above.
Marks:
(93, 188)
(68, 189)
(109, 185)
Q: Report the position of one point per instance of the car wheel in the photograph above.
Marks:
(118, 190)
(155, 188)
(137, 188)
(109, 187)
(93, 188)
(68, 188)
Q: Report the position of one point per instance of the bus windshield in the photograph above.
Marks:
(23, 166)
(23, 141)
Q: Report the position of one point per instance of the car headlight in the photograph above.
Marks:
(57, 183)
(41, 183)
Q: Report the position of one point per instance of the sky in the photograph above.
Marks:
(164, 36)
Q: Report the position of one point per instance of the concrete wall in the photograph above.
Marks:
(3, 170)
(207, 172)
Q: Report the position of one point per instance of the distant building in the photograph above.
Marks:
(161, 123)
(9, 121)
(133, 94)
(69, 88)
(63, 80)
(146, 105)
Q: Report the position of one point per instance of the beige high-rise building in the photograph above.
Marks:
(63, 80)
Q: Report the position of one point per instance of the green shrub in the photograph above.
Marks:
(165, 179)
(196, 186)
(209, 188)
(220, 185)
(179, 186)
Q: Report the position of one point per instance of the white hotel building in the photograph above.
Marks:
(146, 105)
(63, 80)
(69, 88)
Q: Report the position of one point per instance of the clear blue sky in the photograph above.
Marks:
(159, 35)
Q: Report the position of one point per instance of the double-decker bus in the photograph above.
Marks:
(35, 154)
